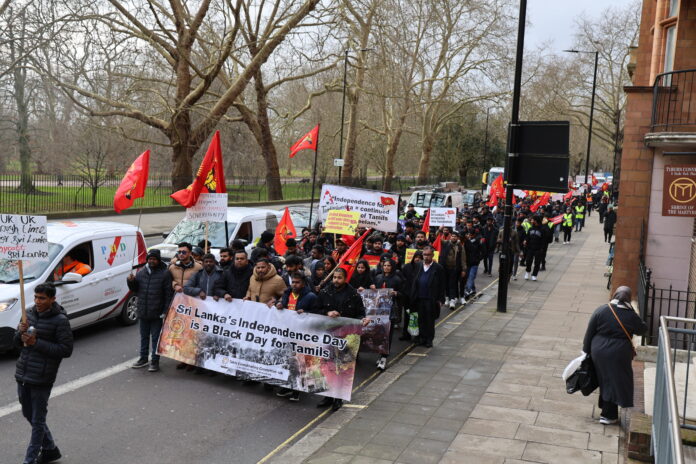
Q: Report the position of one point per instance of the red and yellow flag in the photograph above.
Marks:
(350, 258)
(210, 177)
(133, 184)
(540, 201)
(426, 223)
(284, 230)
(309, 141)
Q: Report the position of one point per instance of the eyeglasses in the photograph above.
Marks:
(182, 252)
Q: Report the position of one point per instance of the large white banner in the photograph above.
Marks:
(211, 207)
(23, 237)
(304, 352)
(378, 210)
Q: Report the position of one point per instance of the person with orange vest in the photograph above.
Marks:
(70, 264)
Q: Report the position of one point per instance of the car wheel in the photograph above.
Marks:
(129, 313)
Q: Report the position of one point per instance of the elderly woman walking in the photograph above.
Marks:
(608, 340)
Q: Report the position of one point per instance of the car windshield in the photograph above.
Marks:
(9, 270)
(193, 232)
(427, 199)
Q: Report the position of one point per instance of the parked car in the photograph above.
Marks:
(246, 224)
(111, 250)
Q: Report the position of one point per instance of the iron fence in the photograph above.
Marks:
(674, 102)
(50, 193)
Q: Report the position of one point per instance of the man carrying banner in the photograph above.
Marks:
(266, 286)
(428, 295)
(181, 270)
(339, 299)
(203, 283)
(41, 353)
(235, 280)
(153, 287)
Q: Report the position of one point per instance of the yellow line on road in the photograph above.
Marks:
(396, 358)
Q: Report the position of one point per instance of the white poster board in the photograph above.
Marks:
(23, 238)
(378, 210)
(445, 217)
(211, 207)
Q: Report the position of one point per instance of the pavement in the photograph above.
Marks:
(490, 390)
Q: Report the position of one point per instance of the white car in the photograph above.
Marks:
(111, 250)
(246, 224)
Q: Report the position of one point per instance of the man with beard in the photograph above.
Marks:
(427, 295)
(235, 280)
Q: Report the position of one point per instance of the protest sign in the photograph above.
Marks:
(378, 210)
(23, 238)
(340, 221)
(378, 307)
(210, 207)
(411, 251)
(446, 217)
(304, 352)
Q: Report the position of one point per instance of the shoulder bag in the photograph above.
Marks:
(630, 340)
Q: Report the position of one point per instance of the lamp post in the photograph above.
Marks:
(594, 88)
(343, 104)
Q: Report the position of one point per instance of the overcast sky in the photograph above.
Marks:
(554, 20)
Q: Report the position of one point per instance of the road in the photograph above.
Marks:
(102, 411)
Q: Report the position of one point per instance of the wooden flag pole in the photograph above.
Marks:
(135, 247)
(314, 180)
(206, 237)
(22, 299)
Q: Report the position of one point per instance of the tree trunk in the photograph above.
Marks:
(95, 188)
(26, 184)
(268, 150)
(182, 152)
(426, 151)
(391, 152)
(351, 138)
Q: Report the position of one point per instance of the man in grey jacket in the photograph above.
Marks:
(203, 282)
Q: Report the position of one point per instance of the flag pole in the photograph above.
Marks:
(206, 237)
(22, 299)
(314, 178)
(135, 247)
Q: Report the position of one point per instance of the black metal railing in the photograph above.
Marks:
(655, 302)
(52, 193)
(674, 101)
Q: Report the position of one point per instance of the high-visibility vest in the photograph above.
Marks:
(568, 220)
(579, 212)
(527, 225)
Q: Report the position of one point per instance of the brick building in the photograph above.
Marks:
(659, 131)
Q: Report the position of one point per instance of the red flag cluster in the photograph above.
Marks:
(497, 191)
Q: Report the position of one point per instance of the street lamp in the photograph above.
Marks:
(343, 105)
(594, 87)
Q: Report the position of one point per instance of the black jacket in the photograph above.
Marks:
(537, 237)
(490, 235)
(363, 280)
(474, 251)
(38, 364)
(436, 283)
(153, 287)
(234, 281)
(609, 220)
(306, 302)
(345, 300)
(203, 282)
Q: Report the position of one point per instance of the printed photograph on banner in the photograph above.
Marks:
(378, 210)
(378, 308)
(23, 238)
(304, 352)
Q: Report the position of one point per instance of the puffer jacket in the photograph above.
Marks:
(345, 300)
(266, 288)
(153, 287)
(203, 282)
(234, 281)
(182, 273)
(38, 364)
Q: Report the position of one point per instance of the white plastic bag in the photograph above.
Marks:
(573, 366)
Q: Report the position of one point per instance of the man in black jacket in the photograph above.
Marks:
(609, 222)
(537, 237)
(340, 299)
(235, 280)
(153, 287)
(427, 295)
(43, 348)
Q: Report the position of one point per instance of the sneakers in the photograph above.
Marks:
(447, 301)
(326, 401)
(283, 392)
(514, 277)
(154, 366)
(141, 362)
(565, 243)
(382, 363)
(49, 455)
(337, 404)
(534, 278)
(462, 300)
(294, 396)
(526, 276)
(453, 303)
(604, 421)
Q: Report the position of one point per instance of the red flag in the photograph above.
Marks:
(284, 230)
(498, 187)
(605, 187)
(437, 243)
(426, 224)
(557, 220)
(493, 200)
(594, 180)
(350, 258)
(539, 202)
(133, 184)
(309, 141)
(568, 195)
(210, 177)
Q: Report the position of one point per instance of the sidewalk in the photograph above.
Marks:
(490, 390)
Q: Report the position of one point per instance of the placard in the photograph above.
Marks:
(412, 251)
(378, 210)
(445, 217)
(343, 222)
(378, 307)
(211, 207)
(679, 191)
(23, 238)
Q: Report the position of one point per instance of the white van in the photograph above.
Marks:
(242, 223)
(111, 249)
(422, 200)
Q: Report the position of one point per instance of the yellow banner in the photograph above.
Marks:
(411, 251)
(342, 222)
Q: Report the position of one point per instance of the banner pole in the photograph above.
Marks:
(314, 179)
(22, 299)
(206, 237)
(135, 248)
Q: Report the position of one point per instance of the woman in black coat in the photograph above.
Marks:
(612, 352)
(408, 270)
(390, 278)
(609, 222)
(362, 277)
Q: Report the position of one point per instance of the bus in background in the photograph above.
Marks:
(491, 176)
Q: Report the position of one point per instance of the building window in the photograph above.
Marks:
(670, 42)
(673, 8)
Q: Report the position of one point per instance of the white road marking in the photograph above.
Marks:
(74, 385)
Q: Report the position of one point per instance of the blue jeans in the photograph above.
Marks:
(150, 330)
(34, 401)
(471, 278)
(579, 222)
